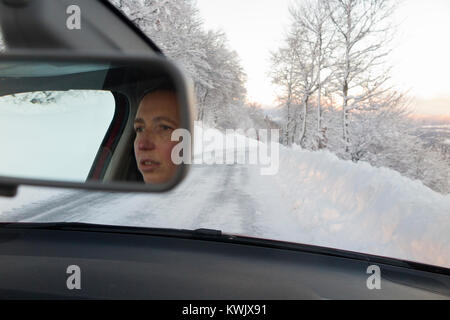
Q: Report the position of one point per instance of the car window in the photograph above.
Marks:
(307, 129)
(53, 135)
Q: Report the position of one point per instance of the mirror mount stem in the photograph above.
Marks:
(8, 190)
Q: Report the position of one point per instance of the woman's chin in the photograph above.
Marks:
(155, 178)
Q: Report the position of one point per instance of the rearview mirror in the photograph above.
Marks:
(102, 123)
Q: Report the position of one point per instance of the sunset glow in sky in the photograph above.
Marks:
(421, 58)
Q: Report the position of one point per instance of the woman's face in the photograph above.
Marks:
(156, 119)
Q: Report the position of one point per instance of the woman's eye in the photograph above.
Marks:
(166, 128)
(138, 129)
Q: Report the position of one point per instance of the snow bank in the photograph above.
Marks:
(358, 207)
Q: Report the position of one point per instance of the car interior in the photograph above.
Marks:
(120, 262)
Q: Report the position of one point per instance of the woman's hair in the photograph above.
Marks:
(162, 86)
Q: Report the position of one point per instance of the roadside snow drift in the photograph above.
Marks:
(358, 207)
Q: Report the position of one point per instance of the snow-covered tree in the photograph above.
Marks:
(302, 68)
(176, 28)
(363, 33)
(226, 78)
(376, 124)
(314, 30)
(283, 74)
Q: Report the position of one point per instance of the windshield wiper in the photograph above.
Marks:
(81, 226)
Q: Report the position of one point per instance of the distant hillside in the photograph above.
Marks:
(431, 119)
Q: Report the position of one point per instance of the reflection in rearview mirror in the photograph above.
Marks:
(156, 119)
(53, 135)
(107, 125)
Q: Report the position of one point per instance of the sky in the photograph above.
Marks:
(421, 59)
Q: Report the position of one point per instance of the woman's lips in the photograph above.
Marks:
(148, 165)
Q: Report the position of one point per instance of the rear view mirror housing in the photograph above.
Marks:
(26, 78)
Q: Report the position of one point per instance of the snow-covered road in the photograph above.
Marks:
(315, 198)
(213, 196)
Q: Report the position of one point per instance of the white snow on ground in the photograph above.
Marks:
(315, 198)
(28, 196)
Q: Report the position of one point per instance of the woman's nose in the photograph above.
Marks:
(145, 143)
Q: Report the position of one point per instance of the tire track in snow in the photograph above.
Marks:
(229, 205)
(174, 209)
(69, 207)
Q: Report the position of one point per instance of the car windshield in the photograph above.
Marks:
(317, 122)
